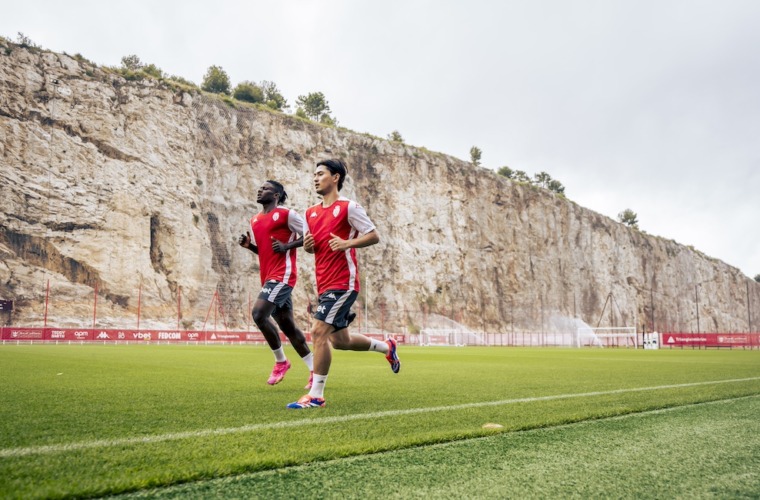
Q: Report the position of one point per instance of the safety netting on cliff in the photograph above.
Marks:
(183, 271)
(81, 257)
(97, 247)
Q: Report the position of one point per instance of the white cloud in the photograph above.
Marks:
(648, 105)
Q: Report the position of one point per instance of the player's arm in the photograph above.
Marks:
(246, 242)
(359, 220)
(339, 244)
(296, 225)
(281, 246)
(308, 243)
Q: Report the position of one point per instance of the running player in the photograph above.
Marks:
(277, 232)
(336, 228)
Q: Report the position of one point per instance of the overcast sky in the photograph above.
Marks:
(647, 105)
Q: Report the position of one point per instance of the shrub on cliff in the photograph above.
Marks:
(132, 68)
(272, 96)
(629, 218)
(475, 155)
(314, 106)
(216, 80)
(248, 92)
(395, 136)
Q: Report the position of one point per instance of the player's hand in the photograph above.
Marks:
(245, 240)
(278, 246)
(308, 243)
(338, 244)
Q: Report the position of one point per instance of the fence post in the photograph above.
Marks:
(47, 296)
(95, 305)
(139, 303)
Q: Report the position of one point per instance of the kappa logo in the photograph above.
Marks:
(103, 336)
(331, 296)
(313, 214)
(266, 290)
(321, 309)
(276, 216)
(336, 211)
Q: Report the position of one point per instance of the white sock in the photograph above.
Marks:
(378, 345)
(309, 360)
(318, 387)
(279, 355)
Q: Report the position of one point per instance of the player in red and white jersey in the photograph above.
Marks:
(335, 229)
(347, 220)
(277, 232)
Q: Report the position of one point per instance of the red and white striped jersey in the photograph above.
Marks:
(285, 225)
(344, 218)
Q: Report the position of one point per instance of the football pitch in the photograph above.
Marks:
(186, 421)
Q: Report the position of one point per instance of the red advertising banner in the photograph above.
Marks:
(72, 334)
(51, 334)
(11, 333)
(710, 339)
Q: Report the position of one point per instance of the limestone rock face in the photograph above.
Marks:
(138, 190)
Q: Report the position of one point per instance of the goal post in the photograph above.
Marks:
(441, 337)
(621, 336)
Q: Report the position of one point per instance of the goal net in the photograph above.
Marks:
(443, 331)
(441, 337)
(622, 336)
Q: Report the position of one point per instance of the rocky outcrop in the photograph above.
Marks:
(140, 188)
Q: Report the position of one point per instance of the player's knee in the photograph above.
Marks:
(259, 316)
(320, 341)
(321, 332)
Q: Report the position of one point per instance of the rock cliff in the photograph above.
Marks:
(140, 188)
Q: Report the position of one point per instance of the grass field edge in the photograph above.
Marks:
(425, 445)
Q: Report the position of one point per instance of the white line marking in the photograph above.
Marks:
(106, 443)
(459, 442)
(227, 480)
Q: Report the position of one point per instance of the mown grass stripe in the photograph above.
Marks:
(434, 446)
(61, 448)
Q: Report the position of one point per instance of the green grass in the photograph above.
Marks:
(664, 454)
(91, 405)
